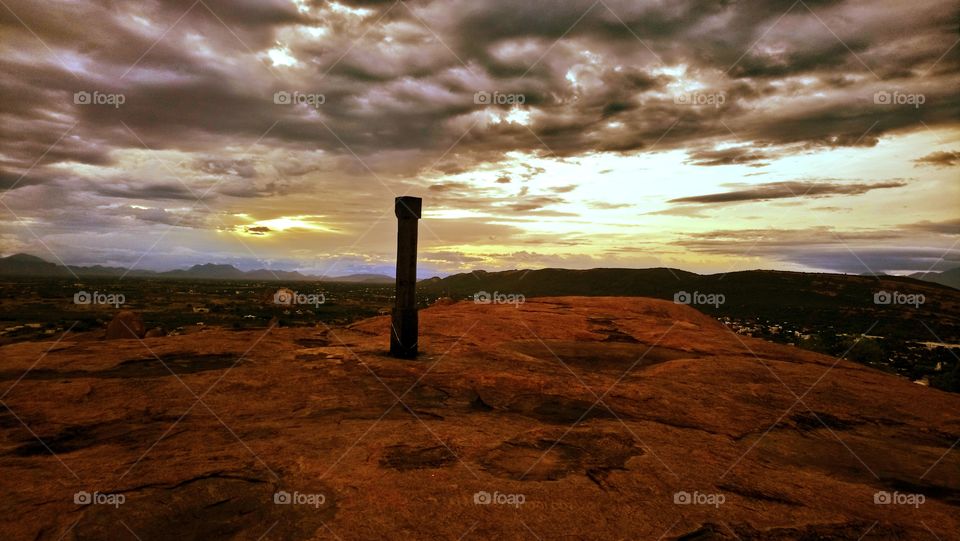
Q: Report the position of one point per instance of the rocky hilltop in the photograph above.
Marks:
(562, 417)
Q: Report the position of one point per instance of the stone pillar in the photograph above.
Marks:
(403, 332)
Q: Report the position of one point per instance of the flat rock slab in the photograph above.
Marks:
(568, 417)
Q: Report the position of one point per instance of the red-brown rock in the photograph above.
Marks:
(126, 324)
(613, 418)
(155, 332)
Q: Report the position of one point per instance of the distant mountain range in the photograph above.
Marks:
(848, 303)
(948, 278)
(655, 282)
(659, 282)
(28, 265)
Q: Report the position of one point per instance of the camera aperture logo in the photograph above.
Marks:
(897, 498)
(896, 297)
(482, 97)
(282, 497)
(96, 97)
(698, 498)
(483, 297)
(497, 498)
(697, 298)
(288, 297)
(98, 498)
(112, 299)
(310, 99)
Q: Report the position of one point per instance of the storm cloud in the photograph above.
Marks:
(212, 115)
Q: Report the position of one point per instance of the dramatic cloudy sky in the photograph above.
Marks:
(706, 135)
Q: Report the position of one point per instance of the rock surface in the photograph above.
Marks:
(126, 324)
(576, 418)
(155, 332)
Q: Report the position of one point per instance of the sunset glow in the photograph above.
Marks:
(280, 138)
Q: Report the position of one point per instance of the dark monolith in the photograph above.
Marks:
(403, 332)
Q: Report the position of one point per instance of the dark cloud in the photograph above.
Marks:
(10, 180)
(784, 190)
(730, 156)
(943, 158)
(949, 227)
(535, 203)
(257, 230)
(248, 188)
(145, 191)
(404, 76)
(450, 186)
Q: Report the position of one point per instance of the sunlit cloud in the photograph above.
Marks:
(553, 140)
(283, 224)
